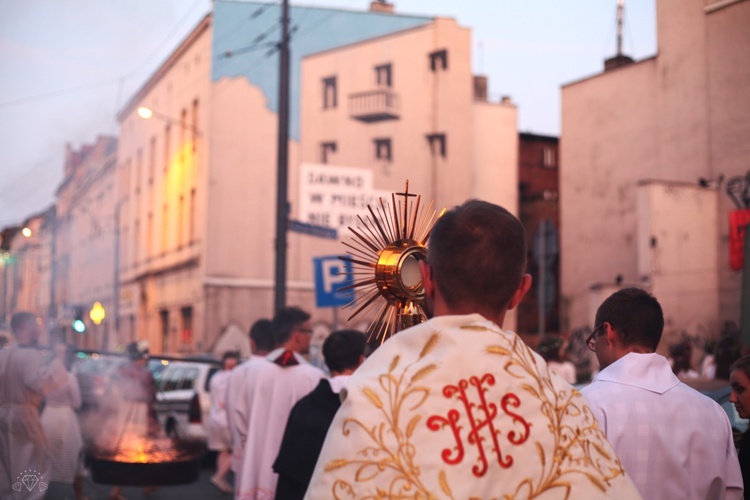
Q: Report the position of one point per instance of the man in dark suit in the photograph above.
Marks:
(310, 418)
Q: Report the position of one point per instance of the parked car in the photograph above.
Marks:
(183, 401)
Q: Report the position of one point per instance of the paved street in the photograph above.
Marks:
(202, 489)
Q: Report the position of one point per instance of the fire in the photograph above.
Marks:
(137, 449)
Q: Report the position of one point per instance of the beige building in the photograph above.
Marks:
(25, 265)
(645, 147)
(85, 238)
(403, 107)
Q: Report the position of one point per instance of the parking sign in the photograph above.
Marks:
(331, 274)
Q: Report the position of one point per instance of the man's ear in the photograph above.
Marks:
(610, 333)
(426, 272)
(523, 287)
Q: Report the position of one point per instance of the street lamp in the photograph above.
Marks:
(147, 113)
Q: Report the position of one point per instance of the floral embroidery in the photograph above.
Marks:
(389, 459)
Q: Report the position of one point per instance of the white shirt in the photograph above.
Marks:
(672, 440)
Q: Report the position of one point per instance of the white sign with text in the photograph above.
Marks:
(332, 196)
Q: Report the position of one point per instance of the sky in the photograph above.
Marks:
(68, 66)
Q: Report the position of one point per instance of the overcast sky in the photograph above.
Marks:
(66, 66)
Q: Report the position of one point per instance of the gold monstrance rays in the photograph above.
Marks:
(385, 255)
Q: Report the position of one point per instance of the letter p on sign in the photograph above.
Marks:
(331, 274)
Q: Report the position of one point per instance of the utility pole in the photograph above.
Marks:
(282, 166)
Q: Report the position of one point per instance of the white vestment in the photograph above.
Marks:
(673, 441)
(25, 377)
(457, 408)
(217, 426)
(63, 433)
(270, 391)
(238, 410)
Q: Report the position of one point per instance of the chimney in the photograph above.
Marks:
(480, 88)
(617, 61)
(381, 6)
(505, 100)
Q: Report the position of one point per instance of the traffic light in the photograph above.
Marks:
(78, 324)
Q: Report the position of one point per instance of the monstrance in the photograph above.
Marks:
(385, 255)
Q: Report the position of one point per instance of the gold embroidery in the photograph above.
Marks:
(578, 449)
(392, 450)
(389, 461)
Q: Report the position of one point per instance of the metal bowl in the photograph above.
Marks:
(185, 468)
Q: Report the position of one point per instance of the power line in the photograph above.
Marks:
(163, 43)
(57, 93)
(243, 23)
(88, 86)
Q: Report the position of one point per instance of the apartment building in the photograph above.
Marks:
(647, 149)
(403, 107)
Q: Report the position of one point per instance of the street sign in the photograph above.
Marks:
(319, 231)
(331, 274)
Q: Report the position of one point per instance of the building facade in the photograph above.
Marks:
(539, 211)
(645, 148)
(406, 107)
(25, 266)
(85, 248)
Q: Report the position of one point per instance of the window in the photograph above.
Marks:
(329, 92)
(326, 149)
(195, 124)
(151, 160)
(439, 60)
(186, 335)
(136, 240)
(164, 228)
(172, 382)
(180, 217)
(138, 170)
(437, 144)
(164, 326)
(183, 135)
(189, 381)
(150, 235)
(383, 75)
(191, 229)
(166, 147)
(383, 149)
(548, 157)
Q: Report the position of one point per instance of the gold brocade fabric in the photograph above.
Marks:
(457, 408)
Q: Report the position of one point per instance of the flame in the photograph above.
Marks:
(137, 449)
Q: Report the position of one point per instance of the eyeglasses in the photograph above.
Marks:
(591, 341)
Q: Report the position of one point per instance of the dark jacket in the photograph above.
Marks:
(303, 439)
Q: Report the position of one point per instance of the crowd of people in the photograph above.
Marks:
(455, 407)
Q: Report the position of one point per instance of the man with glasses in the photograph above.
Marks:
(672, 440)
(272, 389)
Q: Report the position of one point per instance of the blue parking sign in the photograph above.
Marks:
(331, 274)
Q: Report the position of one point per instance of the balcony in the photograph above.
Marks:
(374, 106)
